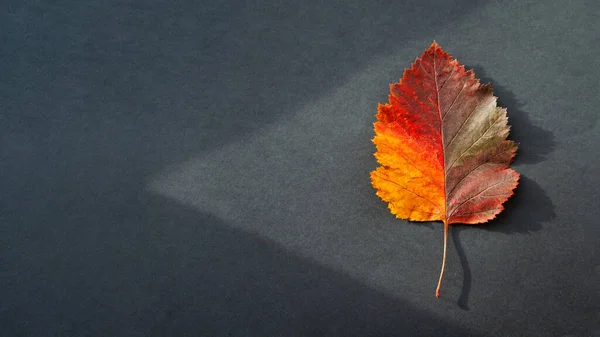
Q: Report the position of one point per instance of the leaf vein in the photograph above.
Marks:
(478, 166)
(411, 163)
(421, 115)
(453, 101)
(413, 192)
(475, 196)
(483, 211)
(475, 142)
(462, 125)
(449, 77)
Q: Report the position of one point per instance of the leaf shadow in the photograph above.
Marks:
(525, 212)
(463, 299)
(529, 207)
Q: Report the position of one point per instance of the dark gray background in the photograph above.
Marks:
(201, 168)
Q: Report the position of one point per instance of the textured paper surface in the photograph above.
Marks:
(202, 168)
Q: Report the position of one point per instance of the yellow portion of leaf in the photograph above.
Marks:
(409, 180)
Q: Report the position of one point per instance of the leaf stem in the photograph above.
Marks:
(437, 291)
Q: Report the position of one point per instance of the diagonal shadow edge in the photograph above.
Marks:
(301, 295)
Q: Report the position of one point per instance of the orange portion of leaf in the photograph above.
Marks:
(441, 143)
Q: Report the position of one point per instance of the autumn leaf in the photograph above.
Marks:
(441, 143)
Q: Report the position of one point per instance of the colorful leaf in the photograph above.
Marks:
(441, 143)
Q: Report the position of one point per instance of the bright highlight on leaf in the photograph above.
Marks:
(441, 143)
